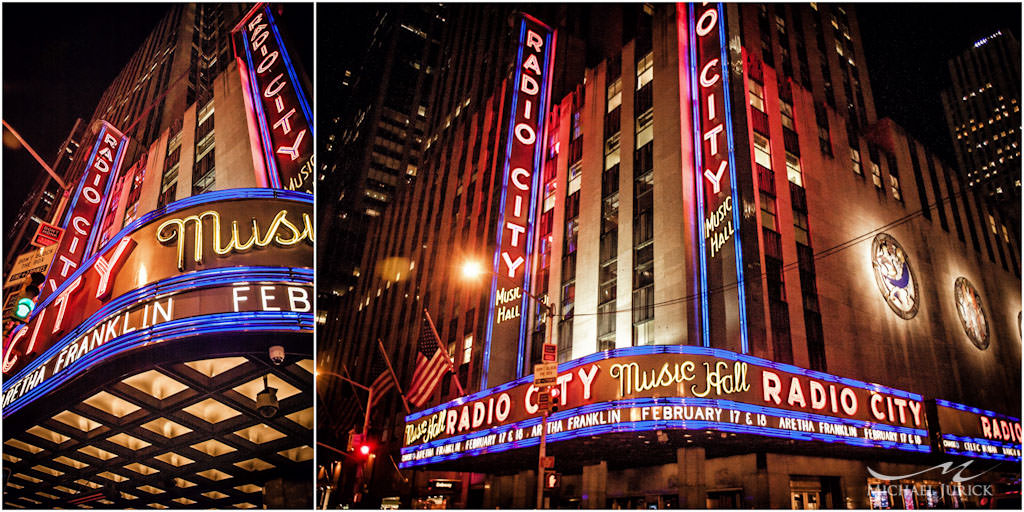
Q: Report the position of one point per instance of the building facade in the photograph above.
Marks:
(983, 115)
(169, 359)
(758, 289)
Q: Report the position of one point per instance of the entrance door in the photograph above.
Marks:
(805, 500)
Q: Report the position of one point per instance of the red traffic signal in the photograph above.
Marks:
(364, 449)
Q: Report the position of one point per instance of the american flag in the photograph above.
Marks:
(384, 382)
(432, 363)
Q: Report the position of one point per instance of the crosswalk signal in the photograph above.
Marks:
(552, 479)
(26, 298)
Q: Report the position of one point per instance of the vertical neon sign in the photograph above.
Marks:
(279, 115)
(82, 220)
(715, 174)
(506, 328)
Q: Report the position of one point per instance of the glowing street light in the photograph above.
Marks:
(472, 269)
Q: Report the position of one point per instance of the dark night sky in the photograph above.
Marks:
(58, 59)
(907, 47)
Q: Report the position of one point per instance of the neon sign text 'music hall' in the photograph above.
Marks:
(139, 289)
(524, 151)
(671, 387)
(703, 44)
(280, 117)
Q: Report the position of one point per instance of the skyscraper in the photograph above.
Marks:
(737, 262)
(983, 114)
(168, 358)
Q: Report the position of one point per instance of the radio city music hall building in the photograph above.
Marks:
(145, 377)
(760, 292)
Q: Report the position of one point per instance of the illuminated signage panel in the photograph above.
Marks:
(671, 387)
(715, 176)
(280, 117)
(209, 240)
(524, 152)
(974, 432)
(80, 227)
(46, 235)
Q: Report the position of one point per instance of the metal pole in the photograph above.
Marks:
(35, 155)
(366, 418)
(540, 459)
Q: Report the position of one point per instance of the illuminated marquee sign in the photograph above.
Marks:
(76, 244)
(714, 172)
(671, 387)
(280, 118)
(973, 432)
(140, 283)
(524, 152)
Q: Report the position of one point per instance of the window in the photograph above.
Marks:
(644, 70)
(614, 94)
(786, 110)
(757, 95)
(800, 230)
(855, 161)
(467, 348)
(876, 175)
(768, 212)
(762, 152)
(793, 171)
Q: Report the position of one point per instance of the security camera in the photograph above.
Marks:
(266, 402)
(277, 354)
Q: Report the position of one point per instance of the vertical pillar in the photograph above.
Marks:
(524, 487)
(595, 485)
(691, 478)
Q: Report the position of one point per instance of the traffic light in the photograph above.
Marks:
(25, 300)
(362, 447)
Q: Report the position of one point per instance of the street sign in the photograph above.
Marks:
(46, 235)
(545, 374)
(549, 461)
(544, 399)
(549, 354)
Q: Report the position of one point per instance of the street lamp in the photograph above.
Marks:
(471, 269)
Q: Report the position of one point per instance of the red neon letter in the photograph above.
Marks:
(106, 268)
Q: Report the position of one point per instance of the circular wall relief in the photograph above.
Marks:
(895, 278)
(971, 311)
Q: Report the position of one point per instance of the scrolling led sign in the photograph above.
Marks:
(524, 152)
(671, 387)
(277, 105)
(85, 207)
(714, 168)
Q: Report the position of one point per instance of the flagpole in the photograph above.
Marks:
(391, 370)
(444, 351)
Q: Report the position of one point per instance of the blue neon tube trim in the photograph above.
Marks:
(699, 189)
(101, 215)
(671, 349)
(636, 426)
(259, 321)
(188, 202)
(538, 170)
(741, 294)
(192, 280)
(81, 183)
(291, 73)
(677, 401)
(501, 213)
(975, 410)
(268, 155)
(980, 440)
